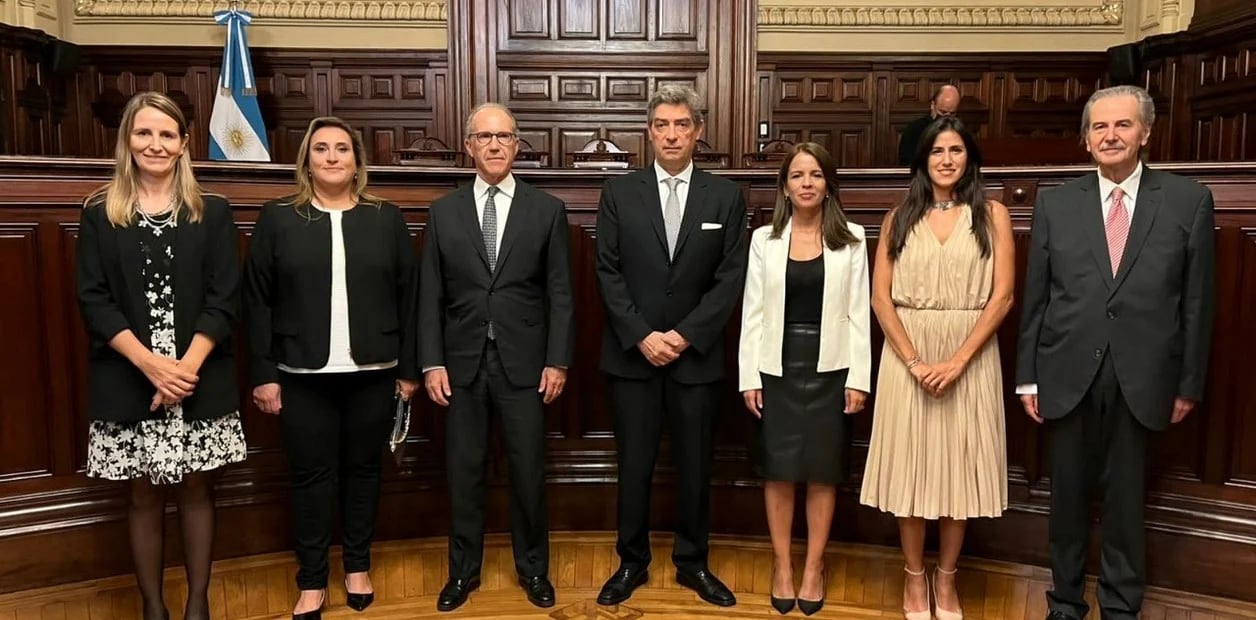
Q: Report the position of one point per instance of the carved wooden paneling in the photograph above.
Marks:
(874, 97)
(1242, 467)
(627, 19)
(25, 447)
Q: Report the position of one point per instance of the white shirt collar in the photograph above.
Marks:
(1129, 185)
(685, 175)
(507, 186)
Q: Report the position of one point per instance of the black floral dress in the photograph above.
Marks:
(162, 449)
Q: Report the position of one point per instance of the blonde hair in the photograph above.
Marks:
(305, 180)
(122, 192)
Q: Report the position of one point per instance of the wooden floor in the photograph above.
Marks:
(864, 582)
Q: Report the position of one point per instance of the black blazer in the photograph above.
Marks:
(643, 291)
(528, 297)
(1154, 318)
(110, 286)
(287, 288)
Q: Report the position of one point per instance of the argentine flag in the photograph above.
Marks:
(236, 131)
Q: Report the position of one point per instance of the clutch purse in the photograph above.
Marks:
(401, 428)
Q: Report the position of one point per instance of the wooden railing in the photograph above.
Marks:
(58, 526)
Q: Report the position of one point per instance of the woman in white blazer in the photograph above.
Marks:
(805, 358)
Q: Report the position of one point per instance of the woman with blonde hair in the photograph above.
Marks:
(804, 358)
(157, 283)
(331, 286)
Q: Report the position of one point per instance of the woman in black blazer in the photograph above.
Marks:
(331, 287)
(157, 283)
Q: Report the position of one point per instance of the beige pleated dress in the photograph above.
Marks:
(942, 456)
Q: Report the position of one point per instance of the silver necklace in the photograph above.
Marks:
(943, 205)
(158, 221)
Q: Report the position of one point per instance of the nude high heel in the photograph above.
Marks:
(940, 613)
(915, 615)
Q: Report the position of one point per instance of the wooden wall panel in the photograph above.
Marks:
(1202, 493)
(25, 447)
(870, 99)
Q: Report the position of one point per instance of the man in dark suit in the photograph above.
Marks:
(671, 259)
(496, 333)
(1114, 341)
(945, 102)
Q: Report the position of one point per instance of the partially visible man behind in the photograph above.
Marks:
(496, 338)
(945, 102)
(671, 258)
(1115, 333)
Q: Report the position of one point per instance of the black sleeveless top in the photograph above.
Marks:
(804, 290)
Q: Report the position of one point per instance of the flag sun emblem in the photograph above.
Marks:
(238, 138)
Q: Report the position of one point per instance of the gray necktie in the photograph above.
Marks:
(489, 228)
(671, 215)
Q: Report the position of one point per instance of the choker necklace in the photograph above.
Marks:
(943, 205)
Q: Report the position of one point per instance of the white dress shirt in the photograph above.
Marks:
(1106, 185)
(340, 352)
(501, 202)
(682, 188)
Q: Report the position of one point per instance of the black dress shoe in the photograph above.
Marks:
(1061, 615)
(781, 605)
(621, 584)
(539, 589)
(707, 586)
(358, 601)
(455, 592)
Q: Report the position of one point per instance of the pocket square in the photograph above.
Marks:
(712, 226)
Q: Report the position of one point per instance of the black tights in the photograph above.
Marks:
(146, 518)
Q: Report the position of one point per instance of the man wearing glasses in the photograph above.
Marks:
(495, 338)
(671, 257)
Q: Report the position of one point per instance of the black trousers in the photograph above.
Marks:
(334, 430)
(639, 410)
(522, 417)
(1099, 446)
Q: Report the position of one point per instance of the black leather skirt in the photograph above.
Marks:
(804, 436)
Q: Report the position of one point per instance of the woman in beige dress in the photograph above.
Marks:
(941, 286)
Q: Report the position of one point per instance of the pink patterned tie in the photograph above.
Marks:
(1118, 228)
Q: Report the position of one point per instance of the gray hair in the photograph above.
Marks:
(676, 94)
(1146, 107)
(490, 105)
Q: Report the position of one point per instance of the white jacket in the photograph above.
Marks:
(845, 328)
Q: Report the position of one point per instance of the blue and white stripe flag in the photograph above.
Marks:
(236, 131)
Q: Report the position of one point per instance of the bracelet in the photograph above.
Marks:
(911, 363)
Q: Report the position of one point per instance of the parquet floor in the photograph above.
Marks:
(864, 582)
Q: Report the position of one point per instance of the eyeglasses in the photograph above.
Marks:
(504, 138)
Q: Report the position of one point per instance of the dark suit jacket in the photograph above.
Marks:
(1154, 318)
(110, 289)
(643, 291)
(528, 297)
(287, 288)
(909, 141)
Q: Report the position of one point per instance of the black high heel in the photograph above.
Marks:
(357, 601)
(781, 605)
(810, 607)
(316, 614)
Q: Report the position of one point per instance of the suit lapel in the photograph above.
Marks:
(693, 208)
(654, 208)
(1092, 221)
(515, 221)
(471, 222)
(1146, 204)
